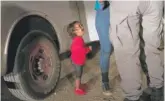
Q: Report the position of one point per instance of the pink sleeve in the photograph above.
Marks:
(87, 50)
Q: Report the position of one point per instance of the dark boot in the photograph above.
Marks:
(143, 97)
(106, 89)
(105, 84)
(157, 94)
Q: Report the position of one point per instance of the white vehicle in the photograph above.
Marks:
(33, 40)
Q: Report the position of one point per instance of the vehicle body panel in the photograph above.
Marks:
(58, 13)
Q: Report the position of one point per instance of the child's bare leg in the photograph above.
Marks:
(78, 76)
(77, 83)
(78, 90)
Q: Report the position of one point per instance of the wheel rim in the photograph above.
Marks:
(40, 64)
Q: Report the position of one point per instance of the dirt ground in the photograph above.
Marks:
(91, 77)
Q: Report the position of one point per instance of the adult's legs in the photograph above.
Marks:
(152, 33)
(125, 38)
(103, 33)
(102, 27)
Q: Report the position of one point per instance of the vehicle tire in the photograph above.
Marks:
(36, 67)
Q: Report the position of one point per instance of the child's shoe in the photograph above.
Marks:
(80, 92)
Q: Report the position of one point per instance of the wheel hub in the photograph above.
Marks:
(40, 64)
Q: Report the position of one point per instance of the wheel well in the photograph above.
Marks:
(25, 25)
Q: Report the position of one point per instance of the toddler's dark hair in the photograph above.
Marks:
(70, 28)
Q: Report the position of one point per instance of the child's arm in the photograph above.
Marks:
(80, 47)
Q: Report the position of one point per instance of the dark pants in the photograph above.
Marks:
(78, 70)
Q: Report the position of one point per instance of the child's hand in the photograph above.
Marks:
(90, 47)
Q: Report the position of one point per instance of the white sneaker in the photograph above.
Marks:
(106, 89)
(107, 93)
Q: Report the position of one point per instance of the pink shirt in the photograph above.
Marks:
(78, 50)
